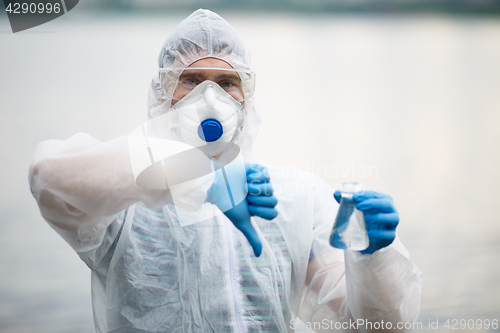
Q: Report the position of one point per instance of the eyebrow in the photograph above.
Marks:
(233, 76)
(228, 76)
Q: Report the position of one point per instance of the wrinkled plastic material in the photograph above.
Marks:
(150, 273)
(205, 276)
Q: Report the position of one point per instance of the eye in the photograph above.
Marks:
(226, 84)
(189, 82)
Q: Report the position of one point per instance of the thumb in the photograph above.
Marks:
(337, 195)
(253, 238)
(240, 216)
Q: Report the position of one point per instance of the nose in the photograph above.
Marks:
(210, 95)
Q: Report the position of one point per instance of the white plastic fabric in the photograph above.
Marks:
(152, 274)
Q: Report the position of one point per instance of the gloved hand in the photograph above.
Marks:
(261, 199)
(381, 217)
(229, 192)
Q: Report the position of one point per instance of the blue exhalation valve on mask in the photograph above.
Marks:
(210, 130)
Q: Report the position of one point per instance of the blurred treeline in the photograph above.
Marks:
(453, 6)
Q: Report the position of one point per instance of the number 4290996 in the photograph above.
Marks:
(455, 324)
(32, 8)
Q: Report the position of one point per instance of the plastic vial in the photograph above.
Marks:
(349, 231)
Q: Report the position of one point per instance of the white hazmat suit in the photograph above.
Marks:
(151, 272)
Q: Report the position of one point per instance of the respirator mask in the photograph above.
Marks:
(203, 113)
(208, 118)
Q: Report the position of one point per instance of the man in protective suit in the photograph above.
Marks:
(162, 216)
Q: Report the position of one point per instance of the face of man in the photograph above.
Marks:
(208, 69)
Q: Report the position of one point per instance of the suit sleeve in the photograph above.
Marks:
(83, 187)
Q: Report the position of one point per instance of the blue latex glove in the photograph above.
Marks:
(232, 199)
(381, 217)
(261, 199)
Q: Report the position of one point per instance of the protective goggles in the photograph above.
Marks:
(177, 83)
